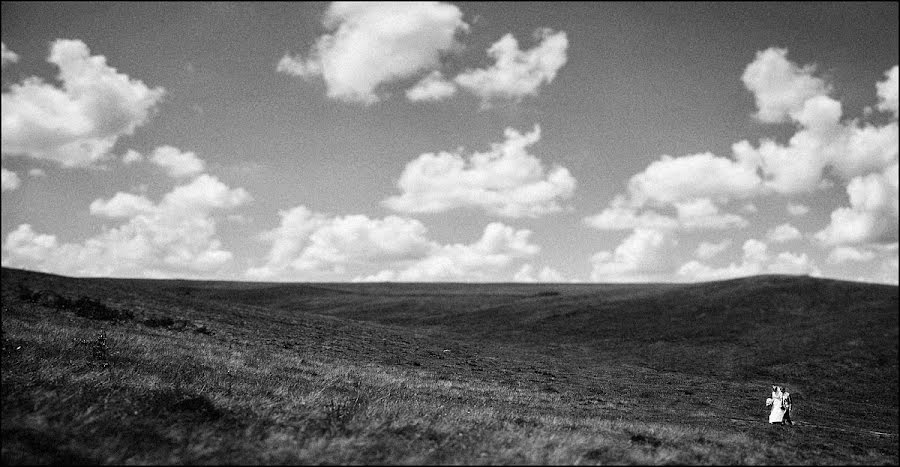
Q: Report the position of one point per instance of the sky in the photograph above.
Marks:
(470, 142)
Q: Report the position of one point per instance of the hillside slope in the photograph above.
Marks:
(113, 370)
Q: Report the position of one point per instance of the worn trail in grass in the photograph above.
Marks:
(128, 371)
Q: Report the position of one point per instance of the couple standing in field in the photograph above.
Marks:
(781, 406)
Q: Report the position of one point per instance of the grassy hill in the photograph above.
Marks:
(146, 371)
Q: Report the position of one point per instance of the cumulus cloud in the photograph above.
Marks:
(697, 214)
(175, 237)
(843, 254)
(37, 172)
(372, 43)
(756, 260)
(687, 178)
(873, 214)
(79, 122)
(707, 250)
(783, 233)
(505, 181)
(692, 185)
(797, 209)
(10, 180)
(643, 255)
(620, 216)
(308, 244)
(823, 143)
(825, 149)
(177, 163)
(780, 86)
(8, 56)
(433, 87)
(131, 156)
(516, 73)
(887, 91)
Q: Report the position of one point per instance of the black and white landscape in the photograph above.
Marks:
(427, 232)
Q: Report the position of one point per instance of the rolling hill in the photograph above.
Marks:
(126, 370)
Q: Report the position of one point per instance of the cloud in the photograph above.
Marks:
(370, 44)
(887, 91)
(11, 181)
(797, 209)
(516, 73)
(756, 260)
(176, 163)
(697, 214)
(175, 237)
(692, 185)
(822, 142)
(433, 87)
(688, 178)
(308, 244)
(707, 250)
(843, 254)
(779, 85)
(783, 233)
(37, 172)
(8, 56)
(872, 216)
(131, 156)
(620, 216)
(825, 149)
(644, 254)
(505, 181)
(80, 122)
(547, 274)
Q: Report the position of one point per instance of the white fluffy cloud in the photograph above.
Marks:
(131, 156)
(10, 180)
(78, 123)
(687, 178)
(873, 214)
(825, 149)
(779, 85)
(643, 255)
(176, 163)
(697, 214)
(707, 250)
(786, 92)
(843, 254)
(8, 56)
(433, 87)
(308, 244)
(175, 237)
(756, 260)
(693, 185)
(783, 233)
(372, 43)
(887, 91)
(505, 181)
(516, 73)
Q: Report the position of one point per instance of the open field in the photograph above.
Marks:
(144, 371)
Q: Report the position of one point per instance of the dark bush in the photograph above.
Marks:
(163, 322)
(92, 309)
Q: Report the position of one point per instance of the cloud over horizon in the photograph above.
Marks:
(505, 181)
(310, 245)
